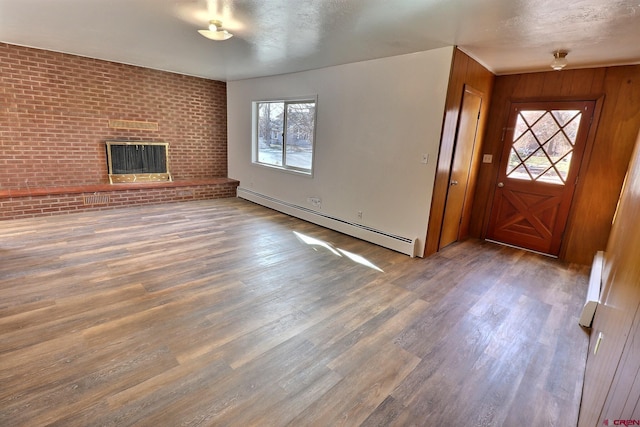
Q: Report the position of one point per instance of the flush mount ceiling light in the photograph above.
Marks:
(559, 60)
(215, 31)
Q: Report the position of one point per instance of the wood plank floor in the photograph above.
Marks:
(216, 313)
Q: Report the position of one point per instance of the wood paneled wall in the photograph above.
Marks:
(612, 379)
(606, 159)
(464, 71)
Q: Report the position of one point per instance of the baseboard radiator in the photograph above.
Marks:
(593, 293)
(400, 244)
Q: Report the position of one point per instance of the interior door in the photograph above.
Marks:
(455, 225)
(543, 146)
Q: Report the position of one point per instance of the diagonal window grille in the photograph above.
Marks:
(543, 142)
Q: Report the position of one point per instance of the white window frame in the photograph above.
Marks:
(255, 139)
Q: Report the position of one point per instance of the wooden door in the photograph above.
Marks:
(543, 147)
(457, 211)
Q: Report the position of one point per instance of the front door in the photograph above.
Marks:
(543, 147)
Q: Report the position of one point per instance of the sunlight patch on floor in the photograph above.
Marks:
(312, 241)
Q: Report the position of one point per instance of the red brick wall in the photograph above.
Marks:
(110, 197)
(55, 110)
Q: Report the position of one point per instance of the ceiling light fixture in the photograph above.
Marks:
(559, 60)
(215, 31)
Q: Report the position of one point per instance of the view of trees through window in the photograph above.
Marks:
(543, 144)
(285, 131)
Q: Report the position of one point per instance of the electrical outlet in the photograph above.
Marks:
(425, 158)
(315, 201)
(360, 214)
(487, 158)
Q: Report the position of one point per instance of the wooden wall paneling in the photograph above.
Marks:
(464, 70)
(597, 84)
(623, 399)
(617, 313)
(553, 82)
(566, 86)
(599, 186)
(479, 77)
(601, 178)
(581, 194)
(587, 82)
(530, 85)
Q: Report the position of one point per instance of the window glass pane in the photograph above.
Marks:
(284, 134)
(526, 145)
(532, 116)
(562, 166)
(299, 134)
(570, 127)
(558, 147)
(545, 128)
(537, 164)
(520, 173)
(521, 127)
(550, 176)
(270, 126)
(514, 161)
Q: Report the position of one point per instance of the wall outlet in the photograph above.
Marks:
(425, 158)
(487, 158)
(315, 201)
(360, 214)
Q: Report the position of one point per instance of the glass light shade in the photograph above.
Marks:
(215, 31)
(218, 35)
(559, 60)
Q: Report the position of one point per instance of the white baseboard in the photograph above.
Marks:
(400, 244)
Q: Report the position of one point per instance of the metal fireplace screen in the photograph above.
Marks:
(138, 161)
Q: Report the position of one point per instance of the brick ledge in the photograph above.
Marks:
(96, 188)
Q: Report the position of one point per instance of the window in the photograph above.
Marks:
(543, 144)
(284, 133)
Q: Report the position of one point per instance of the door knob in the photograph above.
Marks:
(500, 184)
(453, 182)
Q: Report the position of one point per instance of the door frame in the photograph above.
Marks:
(586, 158)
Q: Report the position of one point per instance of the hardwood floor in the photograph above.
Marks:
(215, 313)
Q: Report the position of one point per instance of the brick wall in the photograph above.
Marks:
(54, 120)
(55, 110)
(37, 203)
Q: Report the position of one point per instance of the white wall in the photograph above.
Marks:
(375, 120)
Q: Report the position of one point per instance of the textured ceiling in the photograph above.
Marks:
(282, 36)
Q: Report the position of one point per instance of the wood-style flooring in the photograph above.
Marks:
(215, 313)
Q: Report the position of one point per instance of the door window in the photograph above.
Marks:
(543, 143)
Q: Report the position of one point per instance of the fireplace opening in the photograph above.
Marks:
(138, 161)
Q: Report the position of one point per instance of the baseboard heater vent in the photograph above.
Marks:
(400, 244)
(593, 293)
(96, 199)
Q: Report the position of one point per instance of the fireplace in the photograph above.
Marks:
(138, 161)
